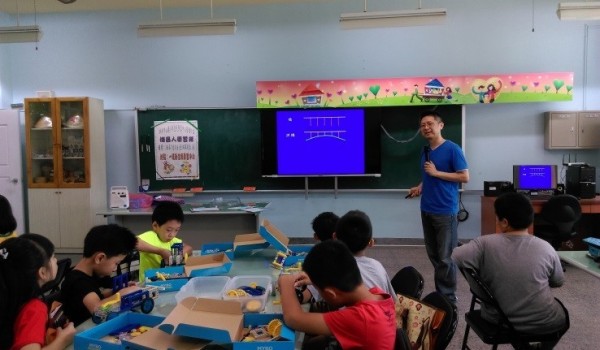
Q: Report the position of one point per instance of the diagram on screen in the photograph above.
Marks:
(320, 142)
(325, 126)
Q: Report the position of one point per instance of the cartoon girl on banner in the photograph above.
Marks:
(176, 150)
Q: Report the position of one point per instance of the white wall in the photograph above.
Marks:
(100, 55)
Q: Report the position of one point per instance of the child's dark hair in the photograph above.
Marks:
(20, 261)
(331, 264)
(516, 208)
(8, 223)
(354, 229)
(167, 211)
(111, 240)
(323, 225)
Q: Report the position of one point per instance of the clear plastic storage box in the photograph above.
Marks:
(211, 287)
(250, 303)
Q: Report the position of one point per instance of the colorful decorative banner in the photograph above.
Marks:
(176, 150)
(471, 89)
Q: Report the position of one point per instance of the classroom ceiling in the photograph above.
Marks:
(46, 6)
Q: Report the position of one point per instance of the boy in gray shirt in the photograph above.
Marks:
(354, 229)
(519, 268)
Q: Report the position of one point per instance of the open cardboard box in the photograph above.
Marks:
(242, 243)
(99, 338)
(204, 265)
(248, 242)
(282, 243)
(219, 321)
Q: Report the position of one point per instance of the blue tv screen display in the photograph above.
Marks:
(534, 177)
(320, 142)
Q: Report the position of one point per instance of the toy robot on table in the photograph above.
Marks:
(144, 298)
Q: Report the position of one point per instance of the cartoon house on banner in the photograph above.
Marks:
(311, 96)
(434, 89)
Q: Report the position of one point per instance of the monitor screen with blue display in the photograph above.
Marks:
(320, 142)
(534, 177)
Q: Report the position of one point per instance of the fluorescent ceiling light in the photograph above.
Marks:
(392, 18)
(578, 11)
(182, 28)
(20, 34)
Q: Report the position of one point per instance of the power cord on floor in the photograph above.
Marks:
(463, 214)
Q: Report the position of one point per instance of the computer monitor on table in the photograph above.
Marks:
(534, 178)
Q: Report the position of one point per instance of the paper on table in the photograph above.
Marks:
(247, 208)
(254, 209)
(197, 209)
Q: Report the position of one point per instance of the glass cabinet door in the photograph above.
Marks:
(73, 135)
(41, 140)
(57, 142)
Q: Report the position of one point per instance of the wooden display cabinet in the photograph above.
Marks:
(66, 176)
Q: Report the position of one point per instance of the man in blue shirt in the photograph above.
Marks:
(443, 166)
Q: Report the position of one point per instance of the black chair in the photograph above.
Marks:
(448, 327)
(503, 332)
(131, 265)
(408, 281)
(64, 266)
(556, 222)
(51, 290)
(402, 342)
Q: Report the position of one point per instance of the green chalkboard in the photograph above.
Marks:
(230, 149)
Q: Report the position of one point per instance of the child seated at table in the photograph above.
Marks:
(156, 245)
(28, 262)
(355, 230)
(104, 247)
(367, 319)
(323, 226)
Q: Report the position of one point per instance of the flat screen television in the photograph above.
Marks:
(534, 177)
(320, 142)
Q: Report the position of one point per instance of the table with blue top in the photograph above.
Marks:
(581, 260)
(256, 262)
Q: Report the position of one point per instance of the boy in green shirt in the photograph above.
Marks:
(155, 245)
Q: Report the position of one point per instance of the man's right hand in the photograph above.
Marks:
(414, 192)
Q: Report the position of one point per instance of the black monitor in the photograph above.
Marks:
(534, 177)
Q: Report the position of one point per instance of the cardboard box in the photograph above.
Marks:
(214, 248)
(248, 242)
(169, 285)
(299, 252)
(243, 243)
(97, 338)
(205, 265)
(593, 246)
(281, 242)
(276, 238)
(156, 339)
(218, 320)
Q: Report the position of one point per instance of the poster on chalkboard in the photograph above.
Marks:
(176, 150)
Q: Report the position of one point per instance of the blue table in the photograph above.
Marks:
(251, 263)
